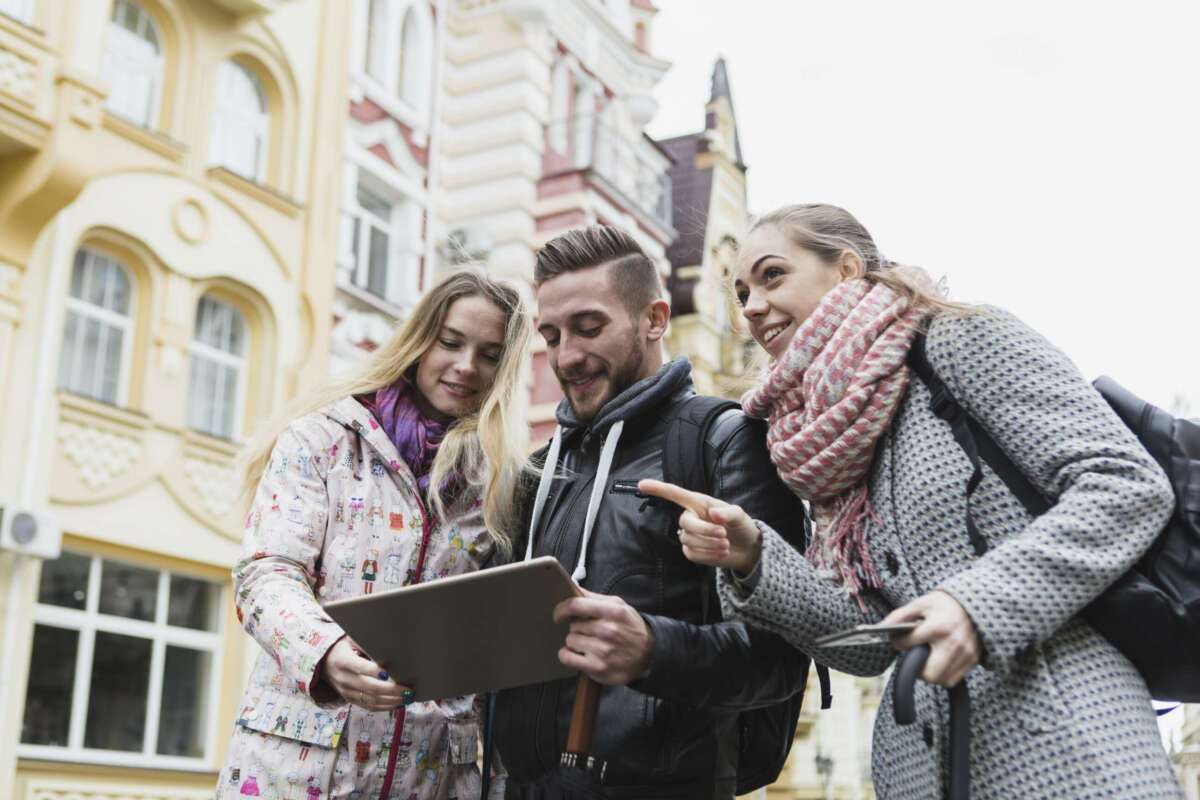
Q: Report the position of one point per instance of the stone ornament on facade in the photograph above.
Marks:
(215, 483)
(190, 220)
(55, 790)
(17, 75)
(100, 455)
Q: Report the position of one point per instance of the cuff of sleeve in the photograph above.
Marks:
(994, 655)
(745, 584)
(319, 689)
(662, 665)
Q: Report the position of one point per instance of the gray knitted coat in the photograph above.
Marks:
(1056, 711)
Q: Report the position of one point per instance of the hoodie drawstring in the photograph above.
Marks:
(602, 472)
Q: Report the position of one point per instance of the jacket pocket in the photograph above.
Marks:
(291, 715)
(1033, 695)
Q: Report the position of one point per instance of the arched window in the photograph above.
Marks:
(218, 368)
(414, 69)
(20, 10)
(375, 59)
(98, 329)
(133, 64)
(242, 125)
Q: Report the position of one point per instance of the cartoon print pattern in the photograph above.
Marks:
(336, 513)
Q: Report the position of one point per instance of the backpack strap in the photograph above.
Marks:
(688, 463)
(975, 441)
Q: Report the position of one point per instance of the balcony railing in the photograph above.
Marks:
(585, 142)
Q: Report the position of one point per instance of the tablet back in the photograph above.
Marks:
(478, 632)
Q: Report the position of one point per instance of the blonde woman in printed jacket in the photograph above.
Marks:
(1056, 711)
(391, 476)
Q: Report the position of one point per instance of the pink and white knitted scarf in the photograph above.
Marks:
(827, 401)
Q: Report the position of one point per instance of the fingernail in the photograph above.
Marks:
(383, 676)
(407, 696)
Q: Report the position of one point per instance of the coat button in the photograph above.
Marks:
(927, 733)
(893, 563)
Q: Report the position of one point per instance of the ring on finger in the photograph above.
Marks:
(679, 532)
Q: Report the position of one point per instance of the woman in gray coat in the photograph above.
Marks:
(1057, 712)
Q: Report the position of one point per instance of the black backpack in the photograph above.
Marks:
(765, 734)
(1151, 613)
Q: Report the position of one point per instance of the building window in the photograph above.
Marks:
(384, 247)
(98, 330)
(375, 62)
(371, 243)
(218, 367)
(124, 664)
(20, 10)
(413, 71)
(133, 64)
(243, 124)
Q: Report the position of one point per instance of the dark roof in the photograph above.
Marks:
(691, 190)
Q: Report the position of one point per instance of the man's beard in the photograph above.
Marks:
(620, 378)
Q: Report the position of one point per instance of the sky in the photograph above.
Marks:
(1041, 156)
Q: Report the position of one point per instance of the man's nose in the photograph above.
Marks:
(569, 354)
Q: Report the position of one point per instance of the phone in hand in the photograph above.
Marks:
(861, 635)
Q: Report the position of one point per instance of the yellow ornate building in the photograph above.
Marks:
(169, 175)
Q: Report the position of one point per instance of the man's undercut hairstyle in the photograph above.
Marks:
(631, 273)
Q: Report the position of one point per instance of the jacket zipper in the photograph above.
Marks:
(398, 729)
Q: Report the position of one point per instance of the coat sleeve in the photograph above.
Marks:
(275, 578)
(1110, 498)
(730, 664)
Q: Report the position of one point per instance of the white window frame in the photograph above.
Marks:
(123, 64)
(411, 103)
(238, 361)
(230, 120)
(20, 10)
(107, 318)
(403, 229)
(88, 622)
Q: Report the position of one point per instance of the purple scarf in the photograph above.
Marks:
(416, 436)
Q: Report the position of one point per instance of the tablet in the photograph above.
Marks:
(479, 632)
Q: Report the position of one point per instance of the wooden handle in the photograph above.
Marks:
(583, 716)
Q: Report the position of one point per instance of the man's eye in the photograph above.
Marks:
(589, 332)
(551, 341)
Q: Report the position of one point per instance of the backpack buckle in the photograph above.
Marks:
(943, 403)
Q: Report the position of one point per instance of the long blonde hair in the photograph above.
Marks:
(829, 231)
(485, 447)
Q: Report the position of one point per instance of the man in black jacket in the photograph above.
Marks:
(673, 676)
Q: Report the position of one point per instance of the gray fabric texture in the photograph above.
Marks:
(1056, 711)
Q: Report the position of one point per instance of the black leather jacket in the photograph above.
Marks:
(672, 734)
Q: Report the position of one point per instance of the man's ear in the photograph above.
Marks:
(658, 314)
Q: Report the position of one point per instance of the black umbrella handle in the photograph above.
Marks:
(908, 667)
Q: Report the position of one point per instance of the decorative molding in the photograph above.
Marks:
(151, 140)
(215, 482)
(190, 220)
(100, 455)
(18, 75)
(61, 790)
(268, 196)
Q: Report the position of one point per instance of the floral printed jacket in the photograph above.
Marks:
(337, 515)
